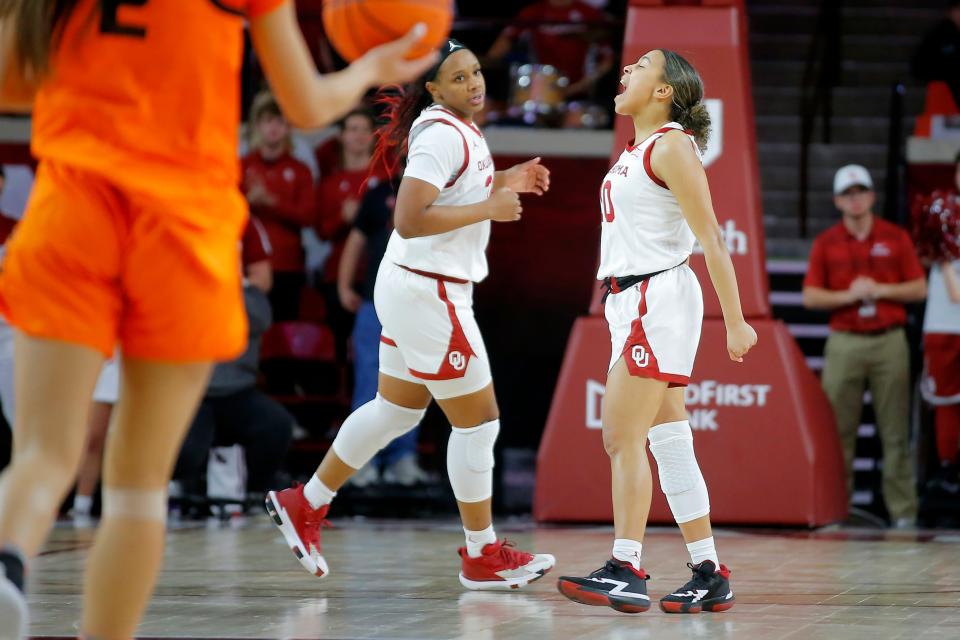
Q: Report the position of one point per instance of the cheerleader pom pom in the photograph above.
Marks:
(936, 226)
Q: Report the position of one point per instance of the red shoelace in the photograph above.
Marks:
(512, 557)
(313, 521)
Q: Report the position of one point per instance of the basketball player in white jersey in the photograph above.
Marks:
(655, 202)
(431, 347)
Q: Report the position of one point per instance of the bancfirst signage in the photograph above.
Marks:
(705, 401)
(735, 239)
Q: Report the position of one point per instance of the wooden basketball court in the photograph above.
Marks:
(398, 579)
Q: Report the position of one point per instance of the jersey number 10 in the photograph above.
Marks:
(606, 202)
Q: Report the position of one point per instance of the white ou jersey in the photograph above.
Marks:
(942, 315)
(644, 230)
(452, 155)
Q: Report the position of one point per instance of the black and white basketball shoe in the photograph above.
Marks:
(616, 584)
(708, 590)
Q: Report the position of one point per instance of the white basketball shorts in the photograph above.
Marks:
(655, 325)
(430, 336)
(108, 383)
(107, 390)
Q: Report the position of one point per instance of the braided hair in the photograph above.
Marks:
(401, 106)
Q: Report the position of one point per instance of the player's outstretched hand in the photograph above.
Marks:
(504, 205)
(528, 177)
(388, 64)
(740, 339)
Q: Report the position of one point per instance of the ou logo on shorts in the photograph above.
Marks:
(457, 360)
(640, 356)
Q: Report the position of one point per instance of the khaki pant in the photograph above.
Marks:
(851, 361)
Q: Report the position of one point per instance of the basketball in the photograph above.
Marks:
(356, 26)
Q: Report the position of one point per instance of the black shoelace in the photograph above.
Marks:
(609, 567)
(700, 580)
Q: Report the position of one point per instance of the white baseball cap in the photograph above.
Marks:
(852, 175)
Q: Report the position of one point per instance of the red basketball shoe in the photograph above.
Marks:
(300, 525)
(503, 567)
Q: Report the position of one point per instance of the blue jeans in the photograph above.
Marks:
(366, 366)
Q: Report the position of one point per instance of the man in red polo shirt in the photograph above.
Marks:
(279, 189)
(863, 270)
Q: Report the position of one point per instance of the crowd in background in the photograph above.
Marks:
(321, 215)
(865, 270)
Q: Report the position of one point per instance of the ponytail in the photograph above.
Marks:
(401, 105)
(688, 107)
(36, 25)
(695, 119)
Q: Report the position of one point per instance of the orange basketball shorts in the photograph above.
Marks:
(97, 265)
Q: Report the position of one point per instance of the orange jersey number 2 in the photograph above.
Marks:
(110, 21)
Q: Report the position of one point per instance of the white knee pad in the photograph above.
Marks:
(371, 427)
(470, 461)
(680, 477)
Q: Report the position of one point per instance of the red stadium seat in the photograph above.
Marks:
(939, 102)
(313, 306)
(298, 341)
(300, 369)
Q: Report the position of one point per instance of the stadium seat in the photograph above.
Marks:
(299, 364)
(298, 341)
(939, 102)
(313, 306)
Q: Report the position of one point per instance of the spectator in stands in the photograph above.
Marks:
(279, 189)
(233, 410)
(938, 57)
(863, 270)
(941, 345)
(329, 156)
(369, 233)
(338, 198)
(573, 48)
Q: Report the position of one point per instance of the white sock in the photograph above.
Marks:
(477, 540)
(317, 493)
(627, 550)
(703, 550)
(82, 504)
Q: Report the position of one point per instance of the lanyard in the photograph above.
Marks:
(867, 310)
(852, 246)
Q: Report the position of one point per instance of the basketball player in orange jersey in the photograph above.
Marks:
(431, 346)
(655, 201)
(131, 239)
